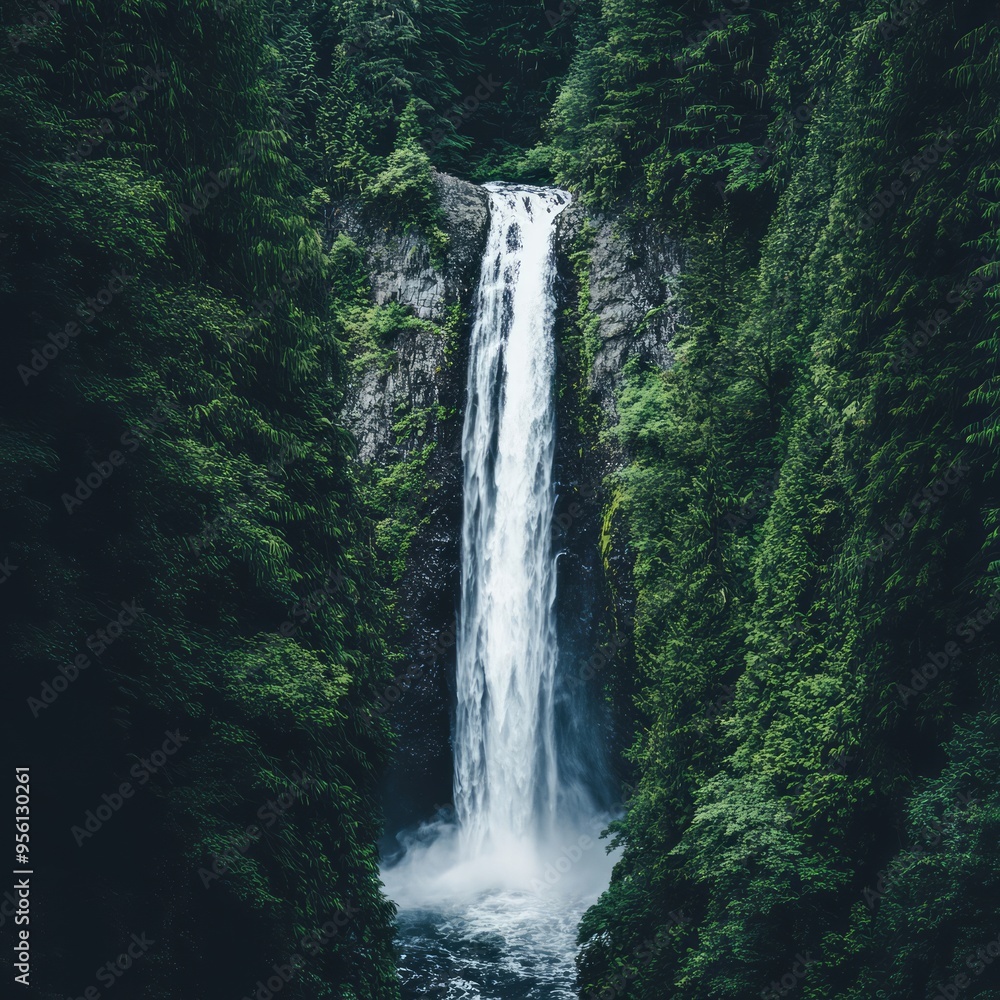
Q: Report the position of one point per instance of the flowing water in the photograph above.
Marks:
(490, 897)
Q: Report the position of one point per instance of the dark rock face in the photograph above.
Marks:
(426, 371)
(630, 267)
(400, 261)
(626, 279)
(419, 377)
(627, 289)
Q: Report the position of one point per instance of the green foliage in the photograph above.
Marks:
(232, 520)
(353, 70)
(786, 757)
(369, 331)
(397, 497)
(578, 341)
(661, 104)
(405, 188)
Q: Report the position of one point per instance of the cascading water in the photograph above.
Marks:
(505, 757)
(489, 905)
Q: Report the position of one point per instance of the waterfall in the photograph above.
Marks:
(506, 771)
(489, 898)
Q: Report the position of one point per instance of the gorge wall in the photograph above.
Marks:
(405, 408)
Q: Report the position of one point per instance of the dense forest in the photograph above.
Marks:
(197, 579)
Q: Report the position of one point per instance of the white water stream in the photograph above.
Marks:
(506, 771)
(489, 904)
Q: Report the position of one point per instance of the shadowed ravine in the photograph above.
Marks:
(489, 900)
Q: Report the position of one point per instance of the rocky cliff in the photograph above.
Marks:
(626, 278)
(404, 408)
(615, 306)
(405, 412)
(424, 372)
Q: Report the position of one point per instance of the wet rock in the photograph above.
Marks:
(400, 261)
(629, 275)
(424, 370)
(421, 371)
